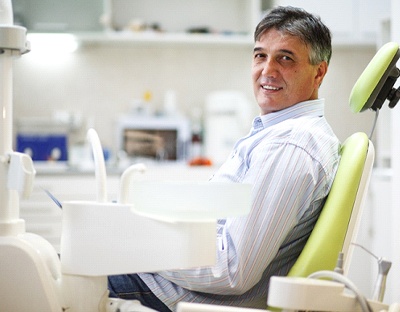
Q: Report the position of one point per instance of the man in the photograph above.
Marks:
(290, 157)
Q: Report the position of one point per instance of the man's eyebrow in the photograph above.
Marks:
(258, 49)
(287, 51)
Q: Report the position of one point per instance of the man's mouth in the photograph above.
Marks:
(267, 87)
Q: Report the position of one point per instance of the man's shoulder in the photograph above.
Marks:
(313, 135)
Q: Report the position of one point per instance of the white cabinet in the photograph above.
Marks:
(176, 21)
(214, 16)
(351, 21)
(191, 22)
(144, 21)
(58, 15)
(223, 21)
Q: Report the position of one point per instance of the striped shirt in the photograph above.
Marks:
(290, 157)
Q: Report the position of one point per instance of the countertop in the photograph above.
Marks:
(155, 170)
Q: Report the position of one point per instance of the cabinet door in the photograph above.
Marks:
(348, 20)
(58, 15)
(222, 16)
(371, 16)
(338, 15)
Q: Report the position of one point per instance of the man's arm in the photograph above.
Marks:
(285, 180)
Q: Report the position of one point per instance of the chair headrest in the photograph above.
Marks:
(375, 84)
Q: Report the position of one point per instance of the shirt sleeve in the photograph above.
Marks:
(285, 181)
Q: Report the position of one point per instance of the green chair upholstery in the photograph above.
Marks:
(374, 85)
(335, 227)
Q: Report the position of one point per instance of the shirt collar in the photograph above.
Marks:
(306, 108)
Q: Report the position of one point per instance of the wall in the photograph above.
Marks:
(346, 66)
(102, 81)
(394, 217)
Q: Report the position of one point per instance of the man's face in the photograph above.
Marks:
(282, 74)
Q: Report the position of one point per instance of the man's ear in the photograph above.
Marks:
(322, 69)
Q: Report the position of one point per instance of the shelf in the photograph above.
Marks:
(154, 38)
(130, 39)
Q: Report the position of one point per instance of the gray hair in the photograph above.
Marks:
(299, 23)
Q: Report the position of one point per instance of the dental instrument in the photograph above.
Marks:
(384, 266)
(52, 197)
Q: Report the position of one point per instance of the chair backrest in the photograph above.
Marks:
(338, 222)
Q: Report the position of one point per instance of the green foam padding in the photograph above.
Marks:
(365, 86)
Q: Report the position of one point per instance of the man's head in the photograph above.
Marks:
(303, 25)
(291, 55)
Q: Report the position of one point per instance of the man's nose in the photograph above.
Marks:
(269, 68)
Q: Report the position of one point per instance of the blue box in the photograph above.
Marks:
(43, 147)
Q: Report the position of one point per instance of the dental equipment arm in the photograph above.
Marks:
(29, 265)
(12, 43)
(383, 270)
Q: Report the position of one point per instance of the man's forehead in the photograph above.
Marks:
(279, 40)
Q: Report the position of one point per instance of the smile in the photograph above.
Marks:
(271, 88)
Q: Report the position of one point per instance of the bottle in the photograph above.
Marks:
(143, 106)
(170, 103)
(196, 150)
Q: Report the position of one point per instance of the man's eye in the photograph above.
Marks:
(259, 55)
(286, 58)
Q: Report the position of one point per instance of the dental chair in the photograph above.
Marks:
(329, 247)
(338, 223)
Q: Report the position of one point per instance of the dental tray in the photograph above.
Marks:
(189, 201)
(163, 225)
